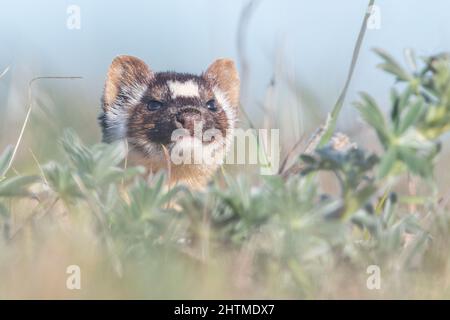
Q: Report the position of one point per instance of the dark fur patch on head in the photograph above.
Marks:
(182, 100)
(157, 126)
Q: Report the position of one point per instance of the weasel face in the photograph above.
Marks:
(157, 111)
(175, 103)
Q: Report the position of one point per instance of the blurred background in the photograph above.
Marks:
(296, 55)
(293, 57)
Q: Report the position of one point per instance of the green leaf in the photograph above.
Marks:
(387, 162)
(357, 200)
(372, 114)
(404, 99)
(308, 159)
(389, 212)
(16, 186)
(61, 180)
(412, 115)
(415, 163)
(111, 155)
(395, 112)
(392, 66)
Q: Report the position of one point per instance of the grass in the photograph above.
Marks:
(312, 231)
(246, 235)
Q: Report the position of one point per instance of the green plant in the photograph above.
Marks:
(275, 236)
(11, 187)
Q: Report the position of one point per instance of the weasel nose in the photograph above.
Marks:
(189, 119)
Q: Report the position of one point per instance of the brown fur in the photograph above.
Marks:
(131, 87)
(124, 71)
(223, 73)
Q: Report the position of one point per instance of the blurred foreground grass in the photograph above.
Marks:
(246, 235)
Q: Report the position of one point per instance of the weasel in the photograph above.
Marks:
(179, 122)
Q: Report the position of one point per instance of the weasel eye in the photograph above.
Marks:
(153, 105)
(211, 105)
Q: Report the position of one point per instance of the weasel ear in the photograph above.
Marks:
(223, 73)
(125, 74)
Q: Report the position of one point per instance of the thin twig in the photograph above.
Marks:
(4, 72)
(33, 214)
(38, 165)
(311, 145)
(25, 122)
(289, 155)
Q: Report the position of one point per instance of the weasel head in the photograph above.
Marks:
(168, 113)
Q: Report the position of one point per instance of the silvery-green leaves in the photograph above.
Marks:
(17, 186)
(391, 66)
(419, 115)
(13, 186)
(145, 218)
(350, 166)
(285, 229)
(352, 169)
(372, 114)
(98, 167)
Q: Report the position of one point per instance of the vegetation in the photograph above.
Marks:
(246, 236)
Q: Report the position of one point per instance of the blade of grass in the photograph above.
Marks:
(4, 72)
(243, 23)
(339, 103)
(27, 116)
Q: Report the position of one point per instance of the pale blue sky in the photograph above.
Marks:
(315, 39)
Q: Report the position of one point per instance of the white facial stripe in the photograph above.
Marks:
(229, 112)
(183, 89)
(117, 115)
(224, 102)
